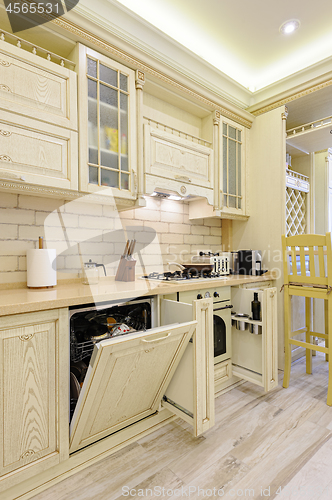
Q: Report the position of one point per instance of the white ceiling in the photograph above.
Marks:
(242, 38)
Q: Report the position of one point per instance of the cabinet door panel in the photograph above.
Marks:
(33, 394)
(126, 380)
(44, 158)
(190, 393)
(35, 87)
(167, 155)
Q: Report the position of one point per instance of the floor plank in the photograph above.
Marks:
(275, 445)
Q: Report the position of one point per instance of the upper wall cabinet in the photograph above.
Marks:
(230, 148)
(232, 182)
(35, 87)
(38, 123)
(177, 164)
(178, 154)
(107, 125)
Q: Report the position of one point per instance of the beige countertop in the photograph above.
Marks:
(22, 300)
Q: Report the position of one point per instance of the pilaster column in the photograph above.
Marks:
(139, 84)
(216, 180)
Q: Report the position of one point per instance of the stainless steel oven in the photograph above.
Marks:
(221, 316)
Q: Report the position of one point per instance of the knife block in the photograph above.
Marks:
(126, 270)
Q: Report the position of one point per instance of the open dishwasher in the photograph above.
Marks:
(123, 357)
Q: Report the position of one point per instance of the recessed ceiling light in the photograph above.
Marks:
(289, 26)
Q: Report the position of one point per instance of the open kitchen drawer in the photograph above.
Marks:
(190, 394)
(128, 376)
(254, 357)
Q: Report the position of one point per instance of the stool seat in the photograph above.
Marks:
(308, 273)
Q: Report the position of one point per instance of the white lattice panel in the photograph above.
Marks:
(296, 212)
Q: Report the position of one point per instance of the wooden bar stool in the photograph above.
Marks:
(308, 273)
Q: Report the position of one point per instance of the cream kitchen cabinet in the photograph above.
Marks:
(34, 394)
(107, 125)
(38, 124)
(37, 88)
(173, 163)
(230, 148)
(255, 356)
(39, 155)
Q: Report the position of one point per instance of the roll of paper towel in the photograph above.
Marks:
(41, 268)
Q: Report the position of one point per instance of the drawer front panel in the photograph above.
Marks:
(35, 87)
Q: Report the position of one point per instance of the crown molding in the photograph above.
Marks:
(227, 109)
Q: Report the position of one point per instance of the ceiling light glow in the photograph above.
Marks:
(289, 27)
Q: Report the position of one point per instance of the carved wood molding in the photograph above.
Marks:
(5, 88)
(292, 97)
(145, 68)
(4, 63)
(27, 454)
(5, 133)
(26, 337)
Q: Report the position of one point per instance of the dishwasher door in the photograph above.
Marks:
(126, 380)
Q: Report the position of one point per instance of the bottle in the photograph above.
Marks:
(256, 308)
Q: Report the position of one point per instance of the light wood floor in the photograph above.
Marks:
(275, 445)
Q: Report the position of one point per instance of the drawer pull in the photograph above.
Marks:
(5, 87)
(4, 63)
(156, 340)
(5, 133)
(10, 177)
(27, 454)
(5, 158)
(183, 178)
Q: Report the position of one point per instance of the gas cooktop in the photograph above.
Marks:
(183, 275)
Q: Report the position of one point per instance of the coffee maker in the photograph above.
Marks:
(250, 262)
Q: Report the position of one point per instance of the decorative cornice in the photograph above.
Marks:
(216, 118)
(145, 68)
(292, 97)
(140, 80)
(64, 194)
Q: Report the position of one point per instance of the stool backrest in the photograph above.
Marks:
(307, 259)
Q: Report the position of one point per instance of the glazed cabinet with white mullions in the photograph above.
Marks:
(107, 125)
(33, 394)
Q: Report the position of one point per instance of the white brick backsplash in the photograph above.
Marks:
(171, 206)
(80, 208)
(8, 264)
(172, 238)
(202, 230)
(212, 240)
(193, 239)
(95, 222)
(102, 233)
(53, 219)
(8, 200)
(15, 247)
(8, 231)
(180, 228)
(16, 216)
(42, 204)
(171, 217)
(22, 263)
(215, 231)
(145, 214)
(159, 227)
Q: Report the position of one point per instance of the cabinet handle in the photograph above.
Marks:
(183, 178)
(10, 177)
(157, 340)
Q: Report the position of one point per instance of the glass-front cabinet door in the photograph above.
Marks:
(232, 182)
(107, 125)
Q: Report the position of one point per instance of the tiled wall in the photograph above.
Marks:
(162, 230)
